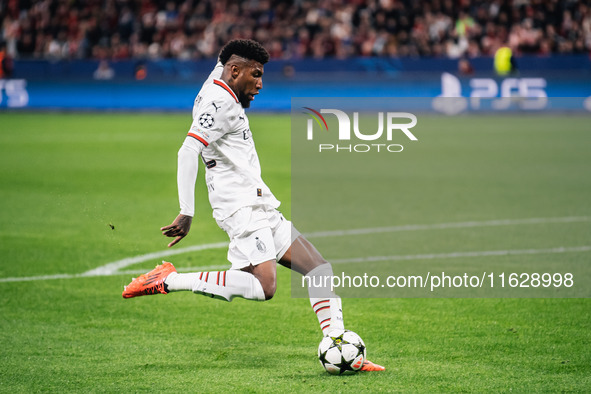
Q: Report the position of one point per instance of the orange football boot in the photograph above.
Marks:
(368, 366)
(150, 283)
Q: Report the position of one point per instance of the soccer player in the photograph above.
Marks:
(242, 204)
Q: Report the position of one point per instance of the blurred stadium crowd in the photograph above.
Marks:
(192, 29)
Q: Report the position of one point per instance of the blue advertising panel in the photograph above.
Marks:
(172, 85)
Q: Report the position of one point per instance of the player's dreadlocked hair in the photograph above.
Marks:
(247, 49)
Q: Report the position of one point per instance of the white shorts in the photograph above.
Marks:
(257, 234)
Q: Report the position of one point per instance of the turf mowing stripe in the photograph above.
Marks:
(560, 249)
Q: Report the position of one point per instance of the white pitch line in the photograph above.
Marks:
(431, 256)
(120, 264)
(441, 226)
(39, 277)
(463, 254)
(114, 267)
(560, 249)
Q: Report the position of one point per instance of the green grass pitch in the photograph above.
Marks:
(79, 191)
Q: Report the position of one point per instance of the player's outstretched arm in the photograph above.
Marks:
(178, 229)
(188, 165)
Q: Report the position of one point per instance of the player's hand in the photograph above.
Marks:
(178, 229)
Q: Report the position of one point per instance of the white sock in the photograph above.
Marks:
(223, 285)
(325, 303)
(181, 282)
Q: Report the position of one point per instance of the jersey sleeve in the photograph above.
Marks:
(210, 123)
(188, 165)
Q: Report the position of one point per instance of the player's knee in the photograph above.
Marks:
(269, 289)
(266, 274)
(269, 292)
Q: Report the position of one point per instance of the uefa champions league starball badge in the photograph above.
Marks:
(206, 120)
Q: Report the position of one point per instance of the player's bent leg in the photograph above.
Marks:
(223, 285)
(232, 283)
(252, 254)
(266, 273)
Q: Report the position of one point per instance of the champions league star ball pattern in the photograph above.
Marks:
(206, 120)
(342, 352)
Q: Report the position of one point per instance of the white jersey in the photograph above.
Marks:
(220, 132)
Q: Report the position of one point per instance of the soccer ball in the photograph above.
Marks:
(342, 352)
